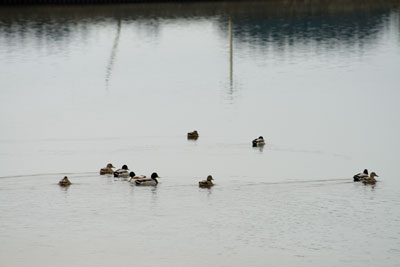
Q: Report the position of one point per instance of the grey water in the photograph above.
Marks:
(81, 86)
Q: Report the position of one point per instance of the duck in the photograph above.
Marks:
(193, 135)
(258, 141)
(207, 183)
(64, 181)
(371, 179)
(134, 177)
(148, 181)
(360, 176)
(107, 170)
(122, 173)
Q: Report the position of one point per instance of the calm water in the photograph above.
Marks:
(84, 86)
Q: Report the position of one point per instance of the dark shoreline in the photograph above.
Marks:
(89, 2)
(111, 2)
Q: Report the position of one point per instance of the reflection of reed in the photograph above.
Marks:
(302, 19)
(172, 10)
(264, 24)
(397, 22)
(231, 88)
(230, 55)
(113, 54)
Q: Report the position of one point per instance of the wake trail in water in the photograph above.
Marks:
(74, 174)
(330, 181)
(244, 182)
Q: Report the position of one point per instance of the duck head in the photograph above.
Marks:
(132, 174)
(124, 167)
(365, 172)
(261, 138)
(209, 178)
(373, 174)
(109, 165)
(154, 175)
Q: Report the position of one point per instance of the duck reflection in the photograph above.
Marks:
(64, 188)
(154, 196)
(259, 148)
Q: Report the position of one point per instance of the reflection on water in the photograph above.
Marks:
(276, 28)
(279, 22)
(81, 86)
(113, 54)
(230, 56)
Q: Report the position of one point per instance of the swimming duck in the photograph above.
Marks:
(258, 141)
(107, 170)
(360, 176)
(371, 179)
(64, 181)
(193, 135)
(134, 177)
(207, 183)
(122, 173)
(148, 181)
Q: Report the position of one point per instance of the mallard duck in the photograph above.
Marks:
(122, 173)
(134, 177)
(148, 181)
(258, 141)
(371, 179)
(360, 176)
(107, 170)
(64, 181)
(207, 183)
(193, 135)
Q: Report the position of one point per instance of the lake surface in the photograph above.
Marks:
(81, 86)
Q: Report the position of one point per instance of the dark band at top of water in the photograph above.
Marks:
(252, 21)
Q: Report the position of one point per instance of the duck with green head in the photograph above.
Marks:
(258, 141)
(122, 173)
(148, 181)
(134, 177)
(360, 176)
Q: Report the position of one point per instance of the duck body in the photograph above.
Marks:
(147, 181)
(258, 141)
(193, 135)
(207, 183)
(371, 179)
(134, 177)
(359, 177)
(122, 173)
(64, 181)
(107, 170)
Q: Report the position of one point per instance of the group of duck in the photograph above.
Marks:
(142, 180)
(139, 180)
(125, 173)
(364, 178)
